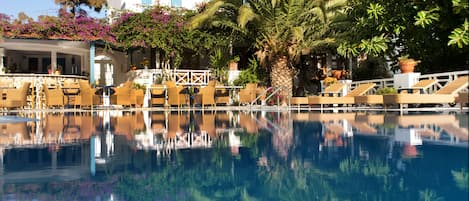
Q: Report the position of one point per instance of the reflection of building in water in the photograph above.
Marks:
(435, 129)
(438, 129)
(235, 143)
(336, 127)
(88, 143)
(143, 130)
(39, 164)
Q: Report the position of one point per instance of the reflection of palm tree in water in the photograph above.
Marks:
(282, 135)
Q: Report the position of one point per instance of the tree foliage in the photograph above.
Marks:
(225, 18)
(283, 30)
(292, 27)
(434, 31)
(65, 26)
(75, 5)
(162, 28)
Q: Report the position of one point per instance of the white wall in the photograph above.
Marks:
(136, 5)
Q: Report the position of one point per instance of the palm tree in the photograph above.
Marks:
(74, 5)
(285, 29)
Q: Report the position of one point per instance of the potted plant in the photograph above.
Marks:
(329, 81)
(233, 63)
(145, 63)
(406, 64)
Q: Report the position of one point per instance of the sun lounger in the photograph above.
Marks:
(331, 90)
(347, 99)
(298, 101)
(444, 95)
(463, 99)
(374, 99)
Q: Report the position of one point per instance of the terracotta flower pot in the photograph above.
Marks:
(407, 65)
(233, 65)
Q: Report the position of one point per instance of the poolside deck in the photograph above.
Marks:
(251, 108)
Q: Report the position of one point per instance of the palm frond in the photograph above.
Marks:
(246, 14)
(198, 20)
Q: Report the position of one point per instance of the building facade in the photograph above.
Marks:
(140, 5)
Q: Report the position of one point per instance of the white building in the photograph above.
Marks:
(139, 5)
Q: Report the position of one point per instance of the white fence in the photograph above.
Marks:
(442, 78)
(182, 77)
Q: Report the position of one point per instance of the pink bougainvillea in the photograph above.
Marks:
(66, 27)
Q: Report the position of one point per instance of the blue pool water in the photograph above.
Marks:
(115, 155)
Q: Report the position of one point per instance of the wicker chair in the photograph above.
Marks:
(122, 95)
(222, 96)
(175, 94)
(206, 96)
(158, 95)
(248, 94)
(136, 96)
(71, 93)
(54, 97)
(88, 96)
(15, 98)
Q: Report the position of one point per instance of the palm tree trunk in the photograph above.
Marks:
(282, 75)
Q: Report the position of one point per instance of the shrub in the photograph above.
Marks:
(248, 75)
(386, 90)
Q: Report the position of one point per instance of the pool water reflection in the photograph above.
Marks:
(142, 155)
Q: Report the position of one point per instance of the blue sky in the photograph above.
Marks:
(34, 8)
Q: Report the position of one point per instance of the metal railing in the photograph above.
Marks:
(274, 91)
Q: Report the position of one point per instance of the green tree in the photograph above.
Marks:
(74, 5)
(222, 17)
(432, 31)
(163, 29)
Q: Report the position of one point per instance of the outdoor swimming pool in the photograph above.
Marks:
(116, 155)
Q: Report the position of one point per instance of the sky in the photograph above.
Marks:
(35, 8)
